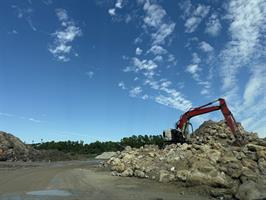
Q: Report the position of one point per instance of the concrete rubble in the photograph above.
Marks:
(105, 155)
(209, 160)
(13, 149)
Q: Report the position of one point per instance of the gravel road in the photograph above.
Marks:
(77, 180)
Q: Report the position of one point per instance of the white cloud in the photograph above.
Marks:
(157, 50)
(119, 4)
(154, 14)
(174, 100)
(204, 92)
(156, 18)
(121, 84)
(138, 40)
(26, 14)
(166, 95)
(247, 28)
(62, 15)
(144, 64)
(47, 2)
(61, 47)
(194, 15)
(6, 114)
(34, 120)
(213, 25)
(14, 32)
(162, 33)
(138, 51)
(193, 68)
(159, 28)
(158, 58)
(90, 74)
(245, 49)
(206, 47)
(256, 85)
(111, 11)
(171, 58)
(145, 96)
(195, 58)
(134, 92)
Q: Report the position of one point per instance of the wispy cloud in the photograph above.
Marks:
(3, 114)
(256, 86)
(47, 2)
(134, 92)
(157, 50)
(206, 47)
(155, 17)
(213, 25)
(247, 28)
(6, 114)
(34, 120)
(245, 51)
(61, 46)
(159, 28)
(118, 5)
(138, 51)
(111, 11)
(90, 74)
(122, 85)
(193, 15)
(26, 14)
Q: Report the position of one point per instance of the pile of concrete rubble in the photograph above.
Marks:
(13, 149)
(224, 170)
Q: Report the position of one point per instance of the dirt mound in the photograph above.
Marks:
(13, 149)
(211, 161)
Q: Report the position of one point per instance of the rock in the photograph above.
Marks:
(210, 161)
(182, 175)
(262, 165)
(248, 175)
(165, 176)
(139, 174)
(251, 191)
(117, 165)
(254, 147)
(128, 148)
(214, 155)
(261, 154)
(105, 155)
(251, 164)
(215, 179)
(128, 172)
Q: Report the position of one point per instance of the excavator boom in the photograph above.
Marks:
(179, 133)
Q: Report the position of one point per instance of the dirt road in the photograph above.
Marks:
(81, 180)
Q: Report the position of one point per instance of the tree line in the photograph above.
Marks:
(79, 147)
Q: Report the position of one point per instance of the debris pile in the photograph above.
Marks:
(13, 149)
(225, 171)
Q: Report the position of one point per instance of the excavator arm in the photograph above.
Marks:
(179, 135)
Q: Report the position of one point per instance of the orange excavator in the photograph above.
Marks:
(180, 135)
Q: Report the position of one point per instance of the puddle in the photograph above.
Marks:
(60, 193)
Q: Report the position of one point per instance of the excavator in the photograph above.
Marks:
(180, 133)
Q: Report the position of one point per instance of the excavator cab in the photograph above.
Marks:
(176, 135)
(173, 136)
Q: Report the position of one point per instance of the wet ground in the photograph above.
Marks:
(77, 180)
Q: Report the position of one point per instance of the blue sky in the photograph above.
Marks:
(88, 70)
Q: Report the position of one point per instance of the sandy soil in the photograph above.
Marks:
(77, 180)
